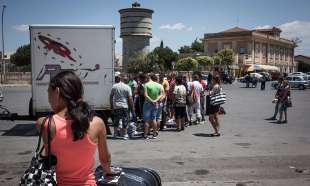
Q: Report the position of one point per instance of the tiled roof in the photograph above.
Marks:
(235, 29)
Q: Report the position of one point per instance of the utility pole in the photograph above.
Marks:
(3, 61)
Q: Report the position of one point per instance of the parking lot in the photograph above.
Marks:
(250, 151)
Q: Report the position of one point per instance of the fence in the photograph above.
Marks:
(17, 77)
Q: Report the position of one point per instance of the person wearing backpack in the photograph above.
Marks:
(179, 99)
(195, 89)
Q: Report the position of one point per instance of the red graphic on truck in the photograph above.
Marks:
(60, 53)
(57, 47)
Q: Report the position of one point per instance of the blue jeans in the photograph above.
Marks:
(149, 111)
(276, 110)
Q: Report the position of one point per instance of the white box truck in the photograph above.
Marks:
(88, 50)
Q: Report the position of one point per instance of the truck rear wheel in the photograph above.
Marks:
(105, 115)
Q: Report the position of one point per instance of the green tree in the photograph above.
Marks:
(151, 60)
(204, 60)
(197, 46)
(138, 63)
(303, 66)
(216, 60)
(187, 64)
(22, 56)
(185, 49)
(226, 56)
(165, 57)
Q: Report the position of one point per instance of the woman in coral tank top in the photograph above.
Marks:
(76, 133)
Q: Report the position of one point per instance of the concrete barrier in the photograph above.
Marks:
(18, 78)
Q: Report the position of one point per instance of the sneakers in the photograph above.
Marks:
(155, 134)
(145, 136)
(126, 137)
(272, 118)
(281, 122)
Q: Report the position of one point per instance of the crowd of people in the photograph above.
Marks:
(155, 101)
(73, 129)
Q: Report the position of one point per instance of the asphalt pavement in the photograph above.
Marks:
(250, 151)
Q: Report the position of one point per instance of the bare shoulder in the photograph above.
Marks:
(97, 123)
(39, 122)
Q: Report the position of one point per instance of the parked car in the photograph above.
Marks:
(255, 74)
(267, 75)
(254, 78)
(296, 74)
(308, 79)
(274, 84)
(298, 82)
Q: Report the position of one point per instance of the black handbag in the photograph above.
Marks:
(40, 171)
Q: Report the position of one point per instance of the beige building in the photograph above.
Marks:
(253, 47)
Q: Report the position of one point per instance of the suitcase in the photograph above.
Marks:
(129, 177)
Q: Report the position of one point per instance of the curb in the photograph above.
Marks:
(14, 85)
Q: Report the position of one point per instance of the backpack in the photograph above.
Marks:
(179, 101)
(192, 98)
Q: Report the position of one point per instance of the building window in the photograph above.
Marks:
(264, 50)
(242, 50)
(271, 51)
(256, 49)
(226, 46)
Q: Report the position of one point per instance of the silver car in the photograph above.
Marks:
(308, 79)
(299, 82)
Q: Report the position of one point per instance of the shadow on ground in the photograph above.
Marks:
(204, 135)
(21, 130)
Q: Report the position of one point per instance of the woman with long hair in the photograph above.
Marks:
(75, 132)
(284, 101)
(213, 110)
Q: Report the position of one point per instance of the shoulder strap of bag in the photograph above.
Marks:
(193, 89)
(48, 140)
(40, 135)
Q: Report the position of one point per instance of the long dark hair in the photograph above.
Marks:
(71, 90)
(217, 79)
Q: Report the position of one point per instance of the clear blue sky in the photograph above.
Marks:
(176, 22)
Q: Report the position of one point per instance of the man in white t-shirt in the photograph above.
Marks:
(196, 88)
(121, 101)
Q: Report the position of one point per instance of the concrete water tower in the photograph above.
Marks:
(136, 31)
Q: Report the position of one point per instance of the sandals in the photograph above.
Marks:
(281, 122)
(215, 135)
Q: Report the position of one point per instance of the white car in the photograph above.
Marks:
(257, 75)
(308, 79)
(297, 74)
(299, 82)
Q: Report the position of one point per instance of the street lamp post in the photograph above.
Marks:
(3, 61)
